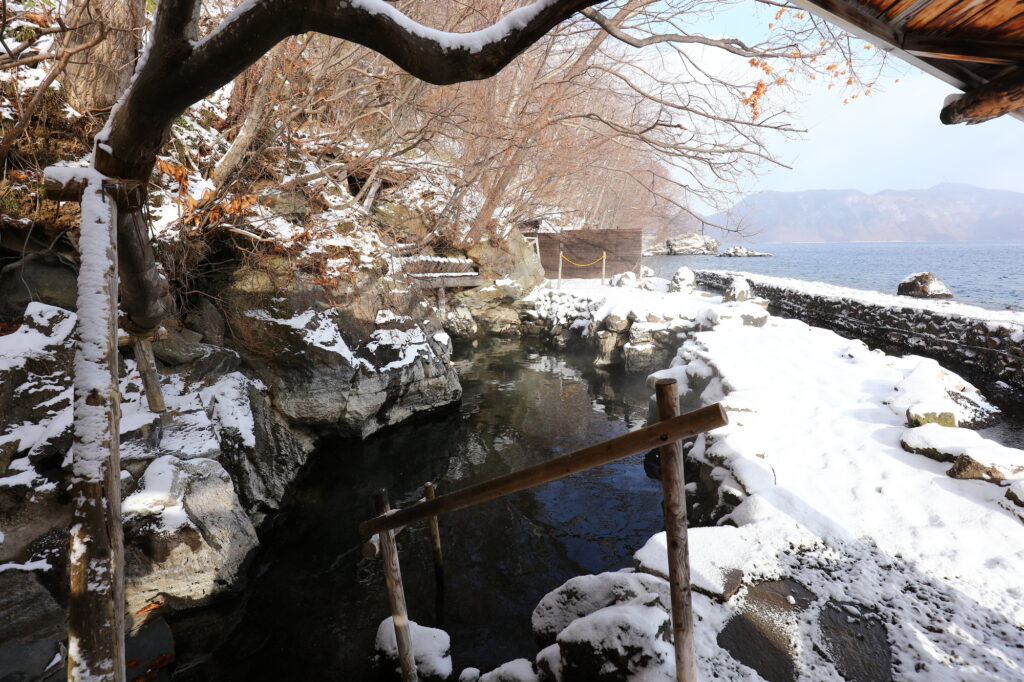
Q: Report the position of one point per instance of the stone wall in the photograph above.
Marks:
(987, 344)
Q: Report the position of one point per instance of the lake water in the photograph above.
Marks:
(313, 605)
(986, 274)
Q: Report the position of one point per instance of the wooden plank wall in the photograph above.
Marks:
(583, 246)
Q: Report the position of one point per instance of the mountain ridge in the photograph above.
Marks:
(946, 212)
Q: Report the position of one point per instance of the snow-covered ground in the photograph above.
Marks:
(827, 497)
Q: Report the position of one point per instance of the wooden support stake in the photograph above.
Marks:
(396, 594)
(673, 483)
(430, 492)
(604, 262)
(147, 369)
(632, 443)
(560, 259)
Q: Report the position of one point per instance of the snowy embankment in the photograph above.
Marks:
(987, 342)
(844, 546)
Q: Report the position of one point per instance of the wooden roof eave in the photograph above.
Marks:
(854, 18)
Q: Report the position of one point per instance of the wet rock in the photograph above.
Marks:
(856, 642)
(609, 348)
(964, 467)
(186, 537)
(923, 285)
(682, 281)
(37, 277)
(583, 595)
(761, 635)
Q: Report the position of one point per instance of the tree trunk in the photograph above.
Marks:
(251, 124)
(95, 78)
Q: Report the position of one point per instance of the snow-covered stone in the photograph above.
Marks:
(431, 650)
(923, 285)
(740, 251)
(682, 281)
(738, 290)
(945, 444)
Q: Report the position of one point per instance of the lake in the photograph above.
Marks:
(986, 274)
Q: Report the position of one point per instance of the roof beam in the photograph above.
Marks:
(999, 96)
(964, 49)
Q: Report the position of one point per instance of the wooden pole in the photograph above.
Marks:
(429, 493)
(673, 483)
(96, 563)
(147, 369)
(559, 268)
(604, 262)
(396, 594)
(442, 300)
(633, 443)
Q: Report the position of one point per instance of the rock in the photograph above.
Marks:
(738, 290)
(288, 204)
(609, 346)
(459, 322)
(740, 251)
(469, 675)
(186, 537)
(519, 670)
(37, 277)
(1015, 493)
(583, 595)
(29, 610)
(431, 648)
(549, 663)
(36, 360)
(964, 467)
(947, 444)
(31, 661)
(856, 642)
(511, 258)
(617, 324)
(682, 281)
(923, 285)
(618, 643)
(929, 413)
(692, 244)
(179, 347)
(214, 362)
(499, 321)
(208, 321)
(625, 280)
(760, 635)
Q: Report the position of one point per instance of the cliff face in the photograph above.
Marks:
(946, 212)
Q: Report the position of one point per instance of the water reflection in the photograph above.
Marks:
(314, 606)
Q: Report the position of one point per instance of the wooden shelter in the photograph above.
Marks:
(975, 45)
(585, 251)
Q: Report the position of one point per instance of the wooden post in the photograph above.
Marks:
(560, 268)
(96, 565)
(604, 262)
(396, 594)
(429, 493)
(147, 369)
(673, 484)
(442, 301)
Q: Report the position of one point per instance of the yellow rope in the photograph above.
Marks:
(582, 265)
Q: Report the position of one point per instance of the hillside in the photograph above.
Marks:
(946, 212)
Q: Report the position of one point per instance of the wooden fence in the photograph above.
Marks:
(583, 247)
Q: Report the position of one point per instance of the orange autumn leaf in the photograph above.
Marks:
(147, 608)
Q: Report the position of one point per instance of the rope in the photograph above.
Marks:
(583, 265)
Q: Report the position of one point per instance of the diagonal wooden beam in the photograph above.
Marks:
(999, 96)
(964, 49)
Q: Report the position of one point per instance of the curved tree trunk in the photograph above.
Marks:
(95, 78)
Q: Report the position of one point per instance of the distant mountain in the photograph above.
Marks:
(946, 212)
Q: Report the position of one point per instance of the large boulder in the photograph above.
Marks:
(737, 290)
(186, 537)
(431, 651)
(923, 285)
(692, 244)
(510, 258)
(619, 643)
(37, 277)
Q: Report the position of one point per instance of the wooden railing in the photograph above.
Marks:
(664, 434)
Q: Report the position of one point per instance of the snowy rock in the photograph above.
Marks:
(583, 595)
(945, 444)
(618, 643)
(942, 413)
(718, 557)
(682, 280)
(431, 648)
(738, 290)
(692, 244)
(626, 280)
(740, 251)
(186, 535)
(929, 392)
(519, 670)
(923, 285)
(966, 468)
(459, 322)
(469, 675)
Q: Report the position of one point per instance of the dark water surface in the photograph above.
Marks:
(986, 274)
(314, 607)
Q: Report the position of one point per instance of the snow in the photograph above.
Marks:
(160, 494)
(472, 42)
(828, 496)
(36, 565)
(518, 670)
(431, 647)
(228, 400)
